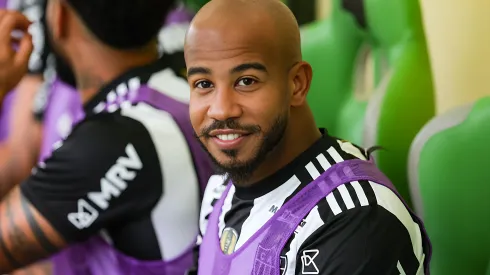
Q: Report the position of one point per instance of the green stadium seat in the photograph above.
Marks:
(402, 99)
(331, 47)
(194, 5)
(449, 167)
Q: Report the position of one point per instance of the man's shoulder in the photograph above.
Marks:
(361, 194)
(357, 204)
(105, 137)
(170, 83)
(113, 125)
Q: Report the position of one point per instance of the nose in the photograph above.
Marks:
(224, 105)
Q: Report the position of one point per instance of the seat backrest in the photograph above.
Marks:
(450, 183)
(194, 5)
(331, 47)
(403, 100)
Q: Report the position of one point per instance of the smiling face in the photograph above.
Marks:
(248, 87)
(239, 105)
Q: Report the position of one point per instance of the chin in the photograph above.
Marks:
(229, 162)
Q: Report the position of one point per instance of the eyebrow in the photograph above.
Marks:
(247, 66)
(198, 70)
(240, 68)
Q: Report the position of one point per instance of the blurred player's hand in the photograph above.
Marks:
(15, 49)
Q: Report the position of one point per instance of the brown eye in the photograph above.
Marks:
(246, 81)
(203, 84)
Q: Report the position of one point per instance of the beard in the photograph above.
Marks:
(239, 171)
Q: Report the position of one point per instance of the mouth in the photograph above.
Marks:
(228, 139)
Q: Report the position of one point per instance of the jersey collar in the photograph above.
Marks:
(275, 180)
(131, 78)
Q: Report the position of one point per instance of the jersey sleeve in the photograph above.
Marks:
(373, 239)
(104, 173)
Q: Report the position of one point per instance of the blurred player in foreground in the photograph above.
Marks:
(107, 196)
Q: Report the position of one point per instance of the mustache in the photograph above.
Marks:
(231, 124)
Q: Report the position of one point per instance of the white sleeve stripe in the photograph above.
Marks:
(332, 202)
(388, 200)
(357, 187)
(421, 270)
(323, 161)
(312, 170)
(360, 193)
(400, 268)
(335, 155)
(344, 193)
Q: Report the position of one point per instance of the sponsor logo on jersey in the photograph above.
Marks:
(228, 241)
(112, 185)
(308, 262)
(85, 215)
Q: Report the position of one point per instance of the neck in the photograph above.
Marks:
(300, 135)
(102, 65)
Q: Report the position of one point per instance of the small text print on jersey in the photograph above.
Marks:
(111, 186)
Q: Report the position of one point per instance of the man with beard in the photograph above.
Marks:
(120, 195)
(290, 199)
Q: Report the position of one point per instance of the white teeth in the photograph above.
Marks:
(228, 137)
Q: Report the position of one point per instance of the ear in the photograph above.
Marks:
(57, 18)
(300, 75)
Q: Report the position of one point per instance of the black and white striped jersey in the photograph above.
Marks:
(359, 228)
(128, 174)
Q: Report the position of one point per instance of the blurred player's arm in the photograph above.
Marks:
(19, 152)
(40, 268)
(25, 236)
(13, 63)
(54, 206)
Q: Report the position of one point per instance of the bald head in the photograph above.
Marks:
(248, 83)
(267, 23)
